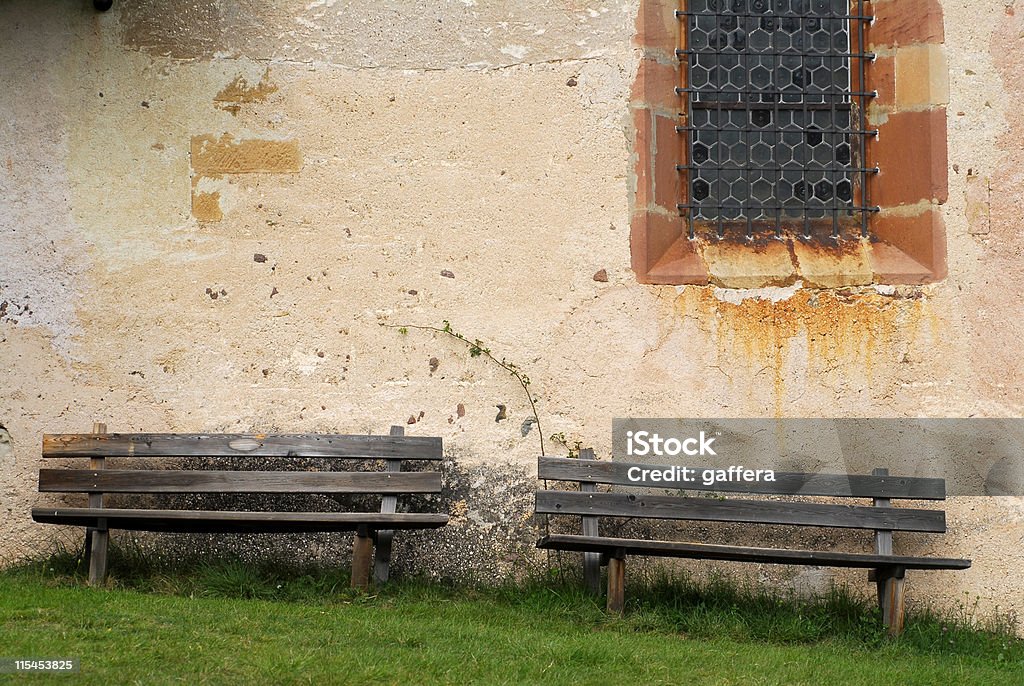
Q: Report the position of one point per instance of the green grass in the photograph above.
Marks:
(231, 622)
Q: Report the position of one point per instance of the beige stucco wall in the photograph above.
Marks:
(487, 140)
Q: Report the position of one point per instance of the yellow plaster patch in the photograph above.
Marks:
(206, 207)
(240, 91)
(245, 156)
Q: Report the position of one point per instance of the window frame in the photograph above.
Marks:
(906, 238)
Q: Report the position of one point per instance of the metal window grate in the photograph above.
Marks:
(774, 116)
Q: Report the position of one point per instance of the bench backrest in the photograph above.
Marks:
(879, 486)
(99, 447)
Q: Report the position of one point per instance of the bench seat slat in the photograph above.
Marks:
(786, 483)
(745, 511)
(627, 546)
(207, 521)
(258, 445)
(210, 481)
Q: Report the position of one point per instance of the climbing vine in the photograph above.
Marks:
(478, 349)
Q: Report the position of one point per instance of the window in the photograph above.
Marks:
(804, 139)
(774, 116)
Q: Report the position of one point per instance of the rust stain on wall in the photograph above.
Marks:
(832, 263)
(808, 333)
(821, 261)
(748, 264)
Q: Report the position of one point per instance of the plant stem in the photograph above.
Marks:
(476, 348)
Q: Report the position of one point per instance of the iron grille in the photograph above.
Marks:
(774, 115)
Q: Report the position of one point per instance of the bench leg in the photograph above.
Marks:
(87, 548)
(890, 598)
(98, 557)
(592, 572)
(616, 584)
(382, 557)
(362, 554)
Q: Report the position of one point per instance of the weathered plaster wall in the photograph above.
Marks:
(380, 163)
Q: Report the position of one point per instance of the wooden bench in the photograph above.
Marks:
(887, 569)
(136, 476)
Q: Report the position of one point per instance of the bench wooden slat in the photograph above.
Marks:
(210, 481)
(786, 483)
(258, 445)
(746, 511)
(217, 521)
(745, 554)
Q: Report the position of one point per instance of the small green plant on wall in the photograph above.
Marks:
(573, 446)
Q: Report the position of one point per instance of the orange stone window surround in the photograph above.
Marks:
(905, 242)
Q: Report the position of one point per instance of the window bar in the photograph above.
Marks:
(869, 132)
(718, 116)
(746, 59)
(809, 167)
(842, 94)
(791, 53)
(862, 115)
(805, 78)
(860, 16)
(839, 139)
(833, 145)
(685, 156)
(773, 80)
(751, 206)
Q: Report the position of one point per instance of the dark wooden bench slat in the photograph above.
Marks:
(746, 511)
(210, 481)
(216, 521)
(259, 445)
(744, 554)
(786, 483)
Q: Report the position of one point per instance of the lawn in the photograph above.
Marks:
(233, 623)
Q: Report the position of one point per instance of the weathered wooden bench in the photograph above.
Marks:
(887, 569)
(136, 476)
